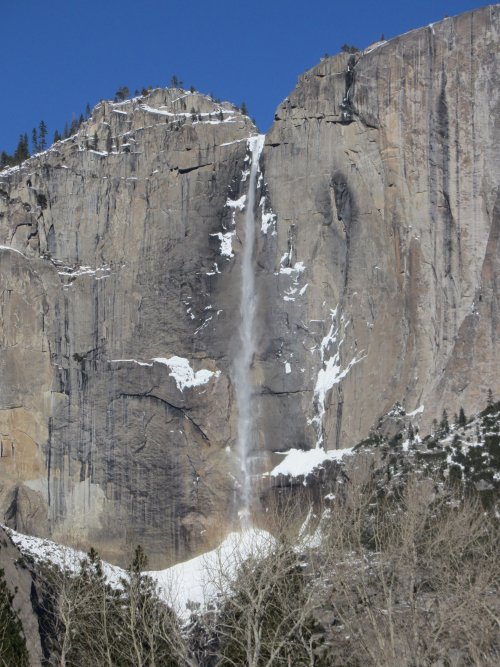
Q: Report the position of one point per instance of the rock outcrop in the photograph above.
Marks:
(377, 277)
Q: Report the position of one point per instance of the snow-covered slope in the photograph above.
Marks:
(185, 586)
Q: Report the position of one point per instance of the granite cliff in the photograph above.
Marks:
(376, 280)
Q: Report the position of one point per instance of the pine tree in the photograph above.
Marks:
(489, 399)
(411, 433)
(22, 151)
(349, 48)
(73, 127)
(57, 136)
(87, 110)
(444, 425)
(244, 109)
(462, 420)
(5, 159)
(42, 133)
(122, 94)
(34, 141)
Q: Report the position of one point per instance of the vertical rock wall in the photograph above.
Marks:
(382, 170)
(118, 300)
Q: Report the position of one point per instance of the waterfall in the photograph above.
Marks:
(246, 348)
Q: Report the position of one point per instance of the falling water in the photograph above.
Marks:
(244, 355)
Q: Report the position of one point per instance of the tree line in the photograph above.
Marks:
(39, 140)
(39, 134)
(405, 579)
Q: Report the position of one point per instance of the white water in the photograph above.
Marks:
(246, 349)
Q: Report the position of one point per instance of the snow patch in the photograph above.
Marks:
(7, 171)
(226, 244)
(417, 411)
(299, 462)
(64, 557)
(161, 112)
(184, 375)
(230, 143)
(215, 270)
(374, 46)
(181, 371)
(268, 218)
(294, 271)
(84, 271)
(129, 361)
(237, 203)
(330, 373)
(183, 586)
(195, 582)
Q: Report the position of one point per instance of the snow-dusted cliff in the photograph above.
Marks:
(376, 280)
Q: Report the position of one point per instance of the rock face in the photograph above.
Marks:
(377, 278)
(382, 169)
(115, 397)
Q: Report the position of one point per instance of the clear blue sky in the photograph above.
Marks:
(60, 54)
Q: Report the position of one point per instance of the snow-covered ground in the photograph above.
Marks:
(194, 582)
(184, 586)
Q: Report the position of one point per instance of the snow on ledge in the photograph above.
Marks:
(181, 371)
(294, 270)
(184, 375)
(8, 247)
(226, 244)
(300, 462)
(417, 411)
(237, 203)
(42, 549)
(129, 361)
(85, 271)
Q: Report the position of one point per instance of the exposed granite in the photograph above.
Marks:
(376, 274)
